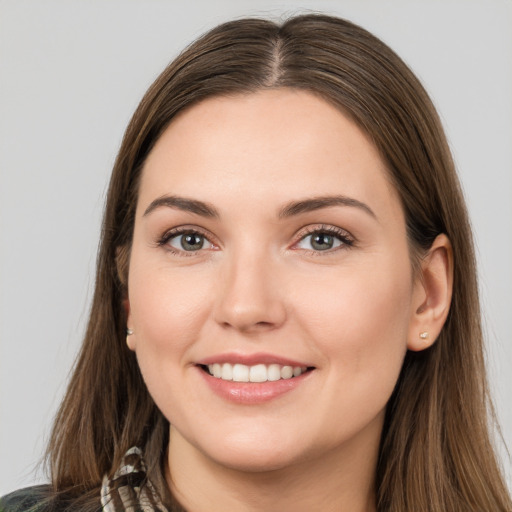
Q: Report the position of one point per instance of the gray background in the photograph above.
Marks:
(71, 74)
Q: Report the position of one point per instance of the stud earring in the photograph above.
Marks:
(129, 332)
(424, 335)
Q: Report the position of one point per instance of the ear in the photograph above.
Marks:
(432, 295)
(130, 334)
(122, 263)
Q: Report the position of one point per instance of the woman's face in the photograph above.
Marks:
(269, 242)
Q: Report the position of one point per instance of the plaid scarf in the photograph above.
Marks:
(129, 490)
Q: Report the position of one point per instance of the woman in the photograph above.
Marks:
(286, 312)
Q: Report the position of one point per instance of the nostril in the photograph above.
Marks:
(264, 324)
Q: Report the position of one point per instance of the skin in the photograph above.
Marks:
(258, 285)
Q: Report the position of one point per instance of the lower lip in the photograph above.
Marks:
(252, 392)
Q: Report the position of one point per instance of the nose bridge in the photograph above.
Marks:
(249, 296)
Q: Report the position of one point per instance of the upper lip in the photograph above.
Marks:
(251, 360)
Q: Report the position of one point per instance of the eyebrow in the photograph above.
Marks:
(185, 204)
(289, 210)
(317, 203)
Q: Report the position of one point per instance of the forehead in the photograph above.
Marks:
(273, 145)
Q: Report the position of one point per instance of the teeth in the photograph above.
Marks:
(227, 372)
(286, 372)
(274, 372)
(217, 370)
(240, 373)
(256, 373)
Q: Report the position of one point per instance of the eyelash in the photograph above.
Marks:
(343, 236)
(173, 233)
(347, 241)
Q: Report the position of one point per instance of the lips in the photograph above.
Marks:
(255, 378)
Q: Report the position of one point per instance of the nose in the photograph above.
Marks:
(250, 297)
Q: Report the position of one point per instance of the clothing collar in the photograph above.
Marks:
(129, 489)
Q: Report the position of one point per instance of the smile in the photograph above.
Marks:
(254, 373)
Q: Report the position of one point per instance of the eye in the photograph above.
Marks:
(189, 241)
(319, 242)
(324, 239)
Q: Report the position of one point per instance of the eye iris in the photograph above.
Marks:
(322, 241)
(192, 242)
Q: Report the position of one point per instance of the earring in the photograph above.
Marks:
(424, 335)
(129, 332)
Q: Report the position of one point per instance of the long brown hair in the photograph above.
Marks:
(436, 453)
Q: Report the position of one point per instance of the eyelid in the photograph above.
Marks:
(184, 230)
(347, 239)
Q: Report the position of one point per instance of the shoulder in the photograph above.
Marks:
(29, 499)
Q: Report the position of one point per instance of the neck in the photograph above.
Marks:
(339, 480)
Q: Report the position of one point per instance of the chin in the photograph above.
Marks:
(254, 461)
(256, 451)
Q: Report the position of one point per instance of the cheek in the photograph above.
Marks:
(359, 326)
(167, 309)
(359, 321)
